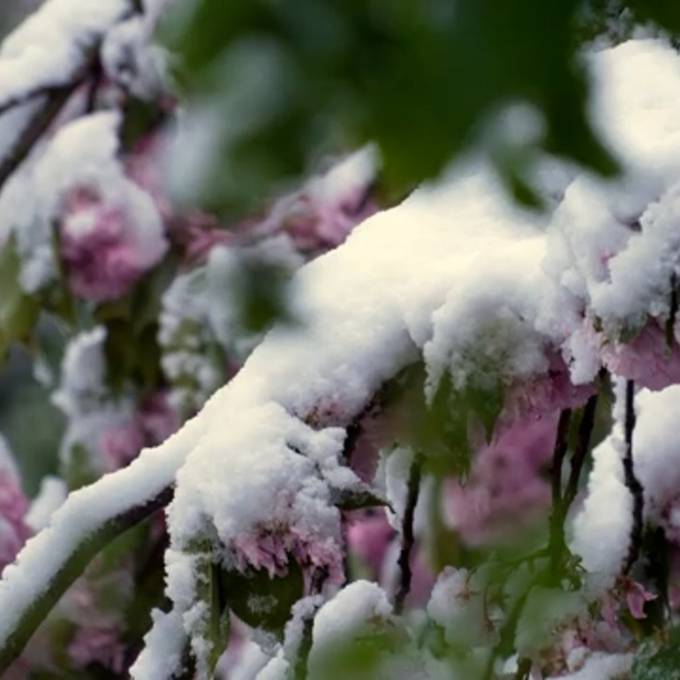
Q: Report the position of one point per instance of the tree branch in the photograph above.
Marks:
(407, 536)
(71, 569)
(631, 481)
(557, 542)
(585, 432)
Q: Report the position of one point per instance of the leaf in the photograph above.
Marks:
(440, 430)
(18, 311)
(262, 601)
(292, 81)
(357, 497)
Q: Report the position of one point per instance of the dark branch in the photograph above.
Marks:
(631, 480)
(585, 432)
(72, 568)
(38, 122)
(557, 541)
(407, 536)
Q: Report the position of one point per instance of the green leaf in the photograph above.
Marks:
(18, 312)
(292, 81)
(262, 601)
(358, 497)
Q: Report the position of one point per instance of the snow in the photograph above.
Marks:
(50, 48)
(83, 373)
(52, 494)
(603, 527)
(601, 666)
(83, 154)
(82, 514)
(359, 604)
(457, 274)
(163, 650)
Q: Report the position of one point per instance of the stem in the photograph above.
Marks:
(585, 432)
(631, 480)
(71, 569)
(407, 536)
(557, 542)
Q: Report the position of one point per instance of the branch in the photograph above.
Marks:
(585, 432)
(37, 123)
(88, 520)
(557, 541)
(408, 538)
(631, 480)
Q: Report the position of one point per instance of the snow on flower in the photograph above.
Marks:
(108, 227)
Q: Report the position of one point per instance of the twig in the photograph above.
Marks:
(39, 121)
(556, 539)
(71, 569)
(407, 536)
(585, 432)
(631, 480)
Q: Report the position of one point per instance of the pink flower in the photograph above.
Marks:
(369, 535)
(158, 419)
(122, 443)
(636, 597)
(102, 248)
(647, 359)
(546, 395)
(273, 549)
(97, 645)
(507, 486)
(13, 508)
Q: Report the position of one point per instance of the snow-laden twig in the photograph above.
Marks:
(44, 61)
(89, 519)
(631, 480)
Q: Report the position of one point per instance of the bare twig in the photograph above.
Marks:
(631, 480)
(407, 535)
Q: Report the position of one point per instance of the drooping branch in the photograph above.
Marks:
(630, 479)
(38, 121)
(88, 520)
(407, 535)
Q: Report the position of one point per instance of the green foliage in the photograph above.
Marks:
(260, 600)
(294, 80)
(18, 312)
(442, 428)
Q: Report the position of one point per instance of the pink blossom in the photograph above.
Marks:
(272, 550)
(545, 395)
(369, 536)
(507, 486)
(122, 443)
(97, 645)
(647, 359)
(636, 597)
(100, 247)
(13, 508)
(158, 419)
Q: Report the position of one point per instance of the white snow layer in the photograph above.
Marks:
(602, 529)
(457, 273)
(48, 49)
